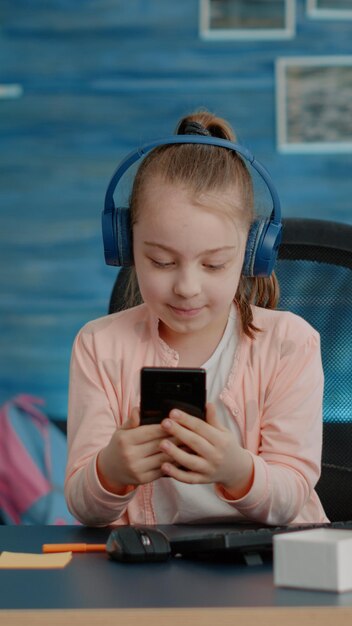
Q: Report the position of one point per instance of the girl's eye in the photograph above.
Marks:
(161, 264)
(214, 268)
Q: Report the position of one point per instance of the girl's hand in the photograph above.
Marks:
(207, 453)
(132, 457)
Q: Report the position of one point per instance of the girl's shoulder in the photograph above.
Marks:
(120, 322)
(282, 323)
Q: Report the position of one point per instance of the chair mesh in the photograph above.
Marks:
(321, 292)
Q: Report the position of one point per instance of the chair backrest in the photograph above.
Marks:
(314, 271)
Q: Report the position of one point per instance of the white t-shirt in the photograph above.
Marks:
(175, 502)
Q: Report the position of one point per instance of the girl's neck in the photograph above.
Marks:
(195, 348)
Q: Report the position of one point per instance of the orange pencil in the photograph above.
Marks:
(74, 547)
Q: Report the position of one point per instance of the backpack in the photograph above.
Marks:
(32, 465)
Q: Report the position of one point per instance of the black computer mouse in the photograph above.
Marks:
(133, 544)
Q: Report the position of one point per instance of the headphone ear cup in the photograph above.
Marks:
(117, 237)
(261, 249)
(123, 236)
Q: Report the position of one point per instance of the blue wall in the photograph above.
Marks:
(97, 77)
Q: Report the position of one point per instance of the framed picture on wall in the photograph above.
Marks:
(314, 104)
(247, 19)
(330, 9)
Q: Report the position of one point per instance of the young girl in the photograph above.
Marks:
(257, 455)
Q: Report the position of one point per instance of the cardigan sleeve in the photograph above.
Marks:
(287, 465)
(91, 424)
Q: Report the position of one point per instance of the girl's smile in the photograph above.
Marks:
(185, 312)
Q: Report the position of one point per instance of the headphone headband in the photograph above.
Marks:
(264, 235)
(135, 155)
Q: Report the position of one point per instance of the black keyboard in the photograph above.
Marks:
(239, 541)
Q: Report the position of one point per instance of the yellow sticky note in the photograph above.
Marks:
(25, 560)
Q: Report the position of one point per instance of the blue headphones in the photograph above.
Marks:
(264, 236)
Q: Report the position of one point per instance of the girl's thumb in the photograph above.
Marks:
(133, 421)
(211, 417)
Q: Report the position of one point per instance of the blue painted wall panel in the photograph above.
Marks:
(98, 77)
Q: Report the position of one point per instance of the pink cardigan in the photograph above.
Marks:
(274, 393)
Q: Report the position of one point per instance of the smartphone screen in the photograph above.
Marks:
(166, 388)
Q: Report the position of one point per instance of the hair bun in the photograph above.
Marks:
(205, 124)
(189, 127)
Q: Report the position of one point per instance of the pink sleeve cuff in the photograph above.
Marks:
(100, 494)
(257, 493)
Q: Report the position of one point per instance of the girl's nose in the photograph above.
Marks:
(187, 284)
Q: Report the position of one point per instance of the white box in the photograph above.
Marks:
(319, 558)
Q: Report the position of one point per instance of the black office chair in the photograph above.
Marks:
(314, 271)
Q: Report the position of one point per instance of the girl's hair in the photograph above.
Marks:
(205, 168)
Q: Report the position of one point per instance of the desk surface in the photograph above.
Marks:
(157, 592)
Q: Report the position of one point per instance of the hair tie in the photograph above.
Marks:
(192, 128)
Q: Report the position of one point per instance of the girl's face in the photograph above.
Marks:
(188, 258)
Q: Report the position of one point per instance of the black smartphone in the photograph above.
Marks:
(166, 388)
